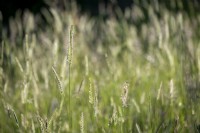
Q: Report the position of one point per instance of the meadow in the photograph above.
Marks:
(80, 74)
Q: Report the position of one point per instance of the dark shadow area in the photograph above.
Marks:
(9, 8)
(96, 8)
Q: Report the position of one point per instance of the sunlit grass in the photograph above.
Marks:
(120, 78)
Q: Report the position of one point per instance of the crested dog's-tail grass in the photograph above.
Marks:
(57, 112)
(91, 97)
(82, 123)
(124, 96)
(70, 54)
(58, 80)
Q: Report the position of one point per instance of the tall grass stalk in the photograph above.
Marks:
(70, 54)
(32, 126)
(82, 123)
(124, 98)
(57, 112)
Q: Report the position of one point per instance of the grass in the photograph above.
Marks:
(120, 77)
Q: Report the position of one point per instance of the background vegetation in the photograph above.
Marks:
(80, 74)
